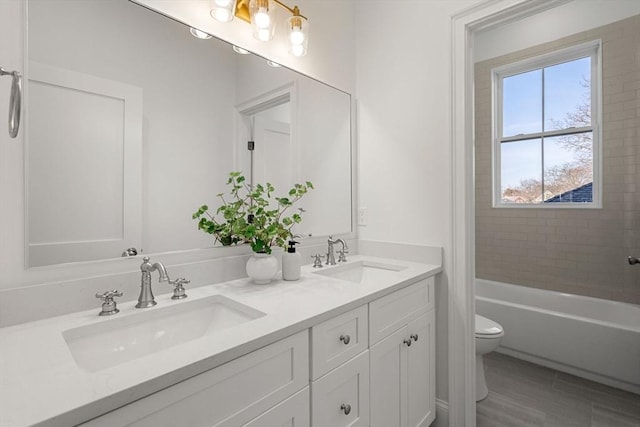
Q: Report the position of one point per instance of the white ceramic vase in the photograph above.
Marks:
(262, 268)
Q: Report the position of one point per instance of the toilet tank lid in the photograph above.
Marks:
(486, 326)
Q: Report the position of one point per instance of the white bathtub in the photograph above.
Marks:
(588, 337)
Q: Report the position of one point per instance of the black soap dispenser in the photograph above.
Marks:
(291, 262)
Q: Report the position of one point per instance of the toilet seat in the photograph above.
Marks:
(487, 328)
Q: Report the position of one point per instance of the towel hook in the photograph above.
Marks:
(15, 100)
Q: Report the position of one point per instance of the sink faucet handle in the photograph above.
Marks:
(109, 306)
(178, 287)
(342, 257)
(317, 260)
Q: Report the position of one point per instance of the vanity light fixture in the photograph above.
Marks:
(199, 34)
(261, 14)
(273, 64)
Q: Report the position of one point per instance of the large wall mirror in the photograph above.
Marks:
(133, 123)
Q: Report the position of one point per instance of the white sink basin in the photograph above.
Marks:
(362, 271)
(118, 340)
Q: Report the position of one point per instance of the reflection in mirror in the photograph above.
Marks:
(133, 123)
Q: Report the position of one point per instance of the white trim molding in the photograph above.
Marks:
(460, 249)
(442, 414)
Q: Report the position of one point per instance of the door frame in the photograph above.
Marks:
(273, 98)
(460, 264)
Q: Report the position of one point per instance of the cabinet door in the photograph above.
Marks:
(421, 371)
(388, 381)
(341, 398)
(227, 396)
(293, 412)
(396, 310)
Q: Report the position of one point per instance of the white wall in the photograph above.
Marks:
(403, 56)
(11, 169)
(570, 18)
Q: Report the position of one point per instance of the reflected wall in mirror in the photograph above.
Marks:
(133, 123)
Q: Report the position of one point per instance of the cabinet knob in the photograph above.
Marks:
(407, 342)
(414, 337)
(346, 339)
(346, 408)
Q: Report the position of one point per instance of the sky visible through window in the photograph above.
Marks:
(566, 87)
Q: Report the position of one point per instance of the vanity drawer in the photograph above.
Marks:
(228, 396)
(393, 311)
(341, 398)
(337, 340)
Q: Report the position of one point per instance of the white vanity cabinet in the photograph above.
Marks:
(371, 366)
(340, 371)
(231, 395)
(402, 357)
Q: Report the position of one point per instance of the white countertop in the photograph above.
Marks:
(41, 383)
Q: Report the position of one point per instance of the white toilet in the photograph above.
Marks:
(488, 337)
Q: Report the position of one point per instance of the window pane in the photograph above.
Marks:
(521, 171)
(568, 168)
(522, 103)
(567, 95)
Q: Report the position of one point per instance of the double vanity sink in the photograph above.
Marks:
(110, 343)
(68, 369)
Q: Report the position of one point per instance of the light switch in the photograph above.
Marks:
(363, 216)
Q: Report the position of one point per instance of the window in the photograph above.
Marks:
(546, 141)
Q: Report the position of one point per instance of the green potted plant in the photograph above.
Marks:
(254, 215)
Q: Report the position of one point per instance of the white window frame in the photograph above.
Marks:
(591, 49)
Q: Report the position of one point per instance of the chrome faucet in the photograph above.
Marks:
(331, 257)
(146, 298)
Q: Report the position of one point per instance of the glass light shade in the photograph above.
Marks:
(199, 34)
(222, 10)
(262, 19)
(298, 35)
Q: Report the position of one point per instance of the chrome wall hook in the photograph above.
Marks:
(15, 100)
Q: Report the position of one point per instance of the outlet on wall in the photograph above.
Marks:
(363, 216)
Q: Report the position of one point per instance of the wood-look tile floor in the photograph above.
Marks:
(522, 394)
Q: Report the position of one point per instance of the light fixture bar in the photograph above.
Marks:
(261, 15)
(242, 10)
(295, 11)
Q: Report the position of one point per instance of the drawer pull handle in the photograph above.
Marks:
(346, 408)
(346, 339)
(414, 337)
(407, 342)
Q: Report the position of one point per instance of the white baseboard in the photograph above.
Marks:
(442, 414)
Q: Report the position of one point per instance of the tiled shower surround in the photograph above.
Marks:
(578, 251)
